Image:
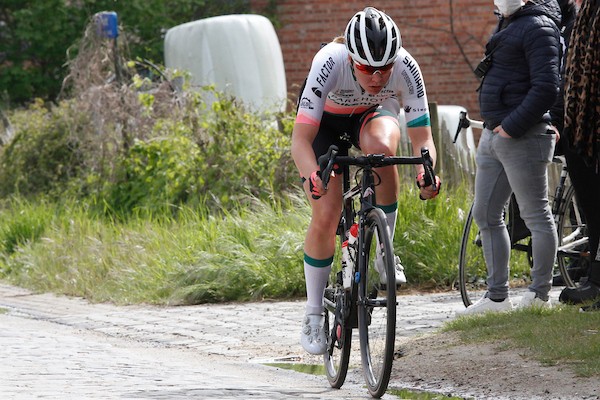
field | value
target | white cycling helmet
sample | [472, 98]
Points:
[372, 38]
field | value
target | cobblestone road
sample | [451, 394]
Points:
[67, 348]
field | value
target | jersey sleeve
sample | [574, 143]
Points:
[412, 92]
[320, 81]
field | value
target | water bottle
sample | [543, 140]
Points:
[352, 241]
[353, 235]
[347, 266]
[349, 256]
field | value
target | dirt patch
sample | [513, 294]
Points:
[440, 363]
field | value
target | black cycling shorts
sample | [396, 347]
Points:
[341, 130]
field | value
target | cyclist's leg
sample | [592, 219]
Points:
[379, 133]
[319, 244]
[491, 194]
[525, 161]
[319, 248]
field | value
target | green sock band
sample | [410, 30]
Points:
[390, 208]
[313, 262]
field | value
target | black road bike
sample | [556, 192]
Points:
[365, 304]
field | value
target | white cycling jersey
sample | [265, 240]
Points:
[331, 87]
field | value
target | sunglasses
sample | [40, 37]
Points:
[367, 69]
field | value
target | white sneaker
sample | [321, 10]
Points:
[399, 271]
[530, 299]
[313, 337]
[484, 305]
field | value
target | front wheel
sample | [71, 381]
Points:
[339, 334]
[376, 308]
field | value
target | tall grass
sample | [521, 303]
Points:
[248, 252]
[428, 235]
[196, 257]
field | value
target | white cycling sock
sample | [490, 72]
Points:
[391, 214]
[316, 281]
[391, 221]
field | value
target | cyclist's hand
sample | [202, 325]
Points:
[316, 185]
[428, 192]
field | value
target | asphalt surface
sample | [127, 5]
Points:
[62, 347]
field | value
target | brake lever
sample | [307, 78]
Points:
[429, 173]
[463, 123]
[326, 163]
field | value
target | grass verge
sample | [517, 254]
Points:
[560, 335]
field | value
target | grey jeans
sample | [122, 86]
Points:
[506, 165]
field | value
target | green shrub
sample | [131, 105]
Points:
[155, 152]
[156, 175]
[44, 154]
[245, 153]
[225, 156]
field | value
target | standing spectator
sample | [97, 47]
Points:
[520, 84]
[582, 138]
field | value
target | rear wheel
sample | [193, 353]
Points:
[377, 308]
[339, 335]
[472, 270]
[572, 240]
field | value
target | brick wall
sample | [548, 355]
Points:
[446, 37]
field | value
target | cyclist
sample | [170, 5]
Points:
[351, 97]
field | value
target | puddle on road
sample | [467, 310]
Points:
[313, 369]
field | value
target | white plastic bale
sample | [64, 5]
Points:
[239, 54]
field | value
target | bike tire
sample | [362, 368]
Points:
[339, 338]
[571, 227]
[376, 308]
[472, 269]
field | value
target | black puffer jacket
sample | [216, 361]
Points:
[523, 81]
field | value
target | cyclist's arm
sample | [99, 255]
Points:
[303, 154]
[420, 136]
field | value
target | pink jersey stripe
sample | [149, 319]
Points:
[302, 118]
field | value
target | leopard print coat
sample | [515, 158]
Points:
[582, 85]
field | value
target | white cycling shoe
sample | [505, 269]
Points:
[313, 337]
[398, 269]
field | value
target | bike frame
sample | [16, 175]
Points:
[347, 305]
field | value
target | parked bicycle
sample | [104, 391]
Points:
[361, 300]
[572, 255]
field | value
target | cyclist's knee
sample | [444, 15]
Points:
[380, 139]
[322, 227]
[322, 216]
[379, 144]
